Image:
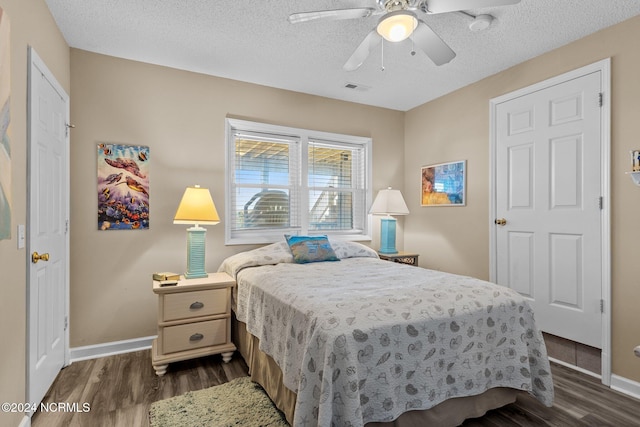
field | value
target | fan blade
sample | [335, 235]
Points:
[444, 6]
[431, 44]
[362, 52]
[331, 15]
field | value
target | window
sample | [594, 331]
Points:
[284, 180]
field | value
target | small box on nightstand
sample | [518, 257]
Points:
[401, 257]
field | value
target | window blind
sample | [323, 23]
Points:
[266, 169]
[335, 178]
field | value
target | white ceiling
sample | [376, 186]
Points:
[252, 41]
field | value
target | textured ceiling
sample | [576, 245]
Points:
[252, 41]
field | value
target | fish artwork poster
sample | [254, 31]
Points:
[123, 187]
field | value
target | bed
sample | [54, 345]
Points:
[363, 341]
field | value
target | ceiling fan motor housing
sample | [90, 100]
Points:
[392, 5]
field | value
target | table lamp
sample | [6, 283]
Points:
[388, 202]
[196, 207]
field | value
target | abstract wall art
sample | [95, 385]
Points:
[444, 184]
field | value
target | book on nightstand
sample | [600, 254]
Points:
[168, 282]
[166, 276]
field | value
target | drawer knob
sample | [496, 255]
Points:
[196, 305]
[196, 337]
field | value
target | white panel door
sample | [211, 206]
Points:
[548, 189]
[48, 213]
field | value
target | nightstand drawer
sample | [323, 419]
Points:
[186, 305]
[194, 335]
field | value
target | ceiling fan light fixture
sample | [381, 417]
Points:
[397, 26]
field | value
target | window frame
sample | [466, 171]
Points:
[304, 137]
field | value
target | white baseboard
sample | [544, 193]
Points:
[625, 385]
[110, 348]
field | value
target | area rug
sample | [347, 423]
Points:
[239, 402]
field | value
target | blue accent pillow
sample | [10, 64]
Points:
[310, 249]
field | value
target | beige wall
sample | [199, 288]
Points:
[31, 24]
[180, 116]
[456, 127]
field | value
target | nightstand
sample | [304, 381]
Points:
[194, 320]
[401, 257]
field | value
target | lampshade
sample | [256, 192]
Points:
[196, 207]
[389, 202]
[398, 25]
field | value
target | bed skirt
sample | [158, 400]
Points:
[264, 371]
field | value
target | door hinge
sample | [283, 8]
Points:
[66, 226]
[601, 306]
[66, 322]
[68, 126]
[600, 99]
[600, 203]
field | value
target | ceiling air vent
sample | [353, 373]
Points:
[357, 87]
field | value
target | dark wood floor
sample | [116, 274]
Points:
[120, 390]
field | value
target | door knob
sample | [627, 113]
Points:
[500, 221]
[35, 257]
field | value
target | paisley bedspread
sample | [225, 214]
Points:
[363, 340]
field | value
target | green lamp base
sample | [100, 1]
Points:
[388, 236]
[195, 252]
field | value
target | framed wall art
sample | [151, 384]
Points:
[444, 184]
[123, 187]
[5, 128]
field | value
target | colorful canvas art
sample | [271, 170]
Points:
[444, 184]
[5, 128]
[123, 187]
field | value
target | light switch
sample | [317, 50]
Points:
[21, 236]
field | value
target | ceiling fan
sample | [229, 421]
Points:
[399, 21]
